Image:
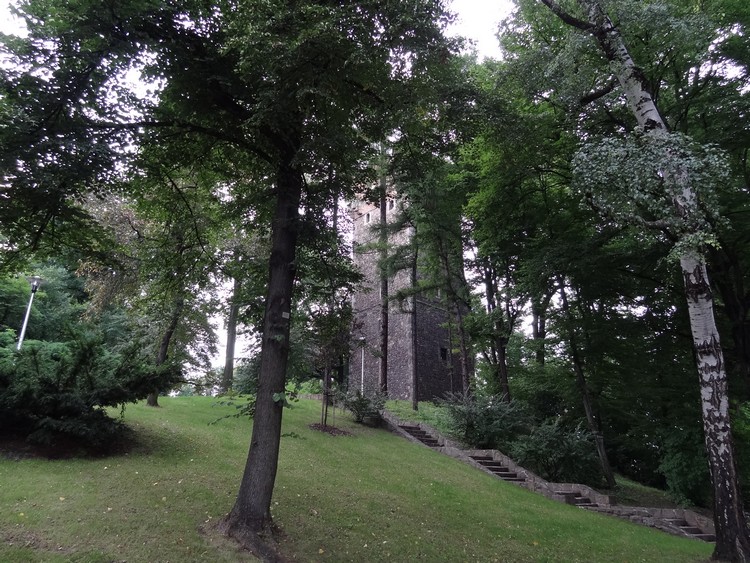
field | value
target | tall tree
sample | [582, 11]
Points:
[227, 374]
[592, 417]
[423, 165]
[678, 176]
[274, 90]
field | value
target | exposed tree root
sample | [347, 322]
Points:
[262, 543]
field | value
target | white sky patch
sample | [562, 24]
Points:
[479, 20]
[9, 24]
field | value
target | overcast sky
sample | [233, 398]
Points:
[477, 20]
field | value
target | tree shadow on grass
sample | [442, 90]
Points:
[15, 445]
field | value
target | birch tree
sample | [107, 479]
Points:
[673, 177]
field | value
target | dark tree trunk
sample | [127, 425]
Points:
[152, 400]
[539, 326]
[501, 345]
[588, 405]
[326, 396]
[227, 378]
[251, 517]
[383, 243]
[326, 401]
[455, 283]
[463, 347]
[413, 320]
[499, 341]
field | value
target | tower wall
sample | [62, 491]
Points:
[437, 371]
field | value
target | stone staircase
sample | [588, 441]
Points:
[690, 530]
[676, 521]
[420, 435]
[578, 499]
[680, 522]
[498, 468]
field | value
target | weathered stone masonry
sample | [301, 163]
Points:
[438, 370]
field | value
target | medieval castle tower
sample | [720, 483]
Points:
[419, 349]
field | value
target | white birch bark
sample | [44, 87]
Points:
[732, 539]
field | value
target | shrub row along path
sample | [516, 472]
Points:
[678, 521]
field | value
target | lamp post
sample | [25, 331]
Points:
[362, 381]
[35, 282]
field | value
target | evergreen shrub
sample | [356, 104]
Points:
[485, 421]
[685, 466]
[51, 390]
[548, 448]
[559, 454]
[362, 406]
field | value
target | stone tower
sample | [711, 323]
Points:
[418, 340]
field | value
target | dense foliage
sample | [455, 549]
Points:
[55, 389]
[486, 421]
[547, 446]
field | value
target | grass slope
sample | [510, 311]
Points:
[370, 496]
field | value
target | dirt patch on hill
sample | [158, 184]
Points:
[332, 430]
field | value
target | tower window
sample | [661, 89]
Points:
[391, 204]
[444, 354]
[367, 217]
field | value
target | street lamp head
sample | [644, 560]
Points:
[35, 282]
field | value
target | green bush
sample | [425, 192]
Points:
[311, 387]
[362, 406]
[485, 421]
[685, 466]
[50, 390]
[559, 454]
[741, 435]
[246, 375]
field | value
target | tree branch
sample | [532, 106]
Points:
[189, 127]
[600, 93]
[566, 17]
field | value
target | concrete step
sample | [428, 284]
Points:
[421, 435]
[692, 531]
[492, 463]
[499, 469]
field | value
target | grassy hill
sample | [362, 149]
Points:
[368, 496]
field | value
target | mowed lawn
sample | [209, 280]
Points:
[369, 496]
